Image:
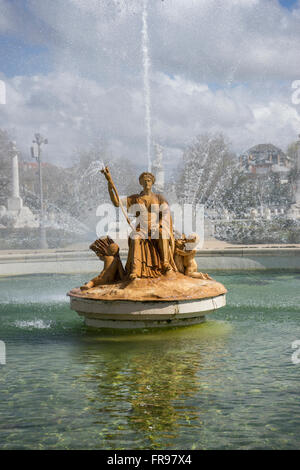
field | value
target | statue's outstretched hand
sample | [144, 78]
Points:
[107, 175]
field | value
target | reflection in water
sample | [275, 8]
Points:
[226, 384]
[148, 384]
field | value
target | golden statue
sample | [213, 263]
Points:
[151, 242]
[160, 285]
[162, 265]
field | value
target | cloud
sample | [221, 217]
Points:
[216, 66]
[222, 41]
[5, 17]
[73, 112]
[246, 115]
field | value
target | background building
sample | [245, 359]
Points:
[263, 159]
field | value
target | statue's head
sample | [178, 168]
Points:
[113, 249]
[189, 243]
[147, 180]
[192, 241]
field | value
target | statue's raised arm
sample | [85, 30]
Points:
[113, 193]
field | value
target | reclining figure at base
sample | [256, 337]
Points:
[108, 251]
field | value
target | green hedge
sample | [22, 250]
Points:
[278, 230]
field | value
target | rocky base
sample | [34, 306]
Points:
[168, 288]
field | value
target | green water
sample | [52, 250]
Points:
[226, 384]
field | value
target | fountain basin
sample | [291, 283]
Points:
[174, 300]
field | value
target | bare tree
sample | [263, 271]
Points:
[206, 170]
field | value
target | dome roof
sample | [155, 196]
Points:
[265, 149]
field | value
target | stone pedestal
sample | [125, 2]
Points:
[26, 218]
[170, 300]
[14, 204]
[127, 314]
[18, 215]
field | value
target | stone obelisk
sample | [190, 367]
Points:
[15, 202]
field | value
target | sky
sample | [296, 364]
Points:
[73, 71]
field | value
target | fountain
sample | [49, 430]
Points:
[146, 67]
[158, 169]
[160, 285]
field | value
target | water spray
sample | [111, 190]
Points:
[146, 66]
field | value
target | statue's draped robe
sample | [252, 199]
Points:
[148, 251]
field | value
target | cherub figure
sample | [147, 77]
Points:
[185, 258]
[108, 251]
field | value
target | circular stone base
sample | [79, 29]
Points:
[131, 324]
[170, 300]
[137, 314]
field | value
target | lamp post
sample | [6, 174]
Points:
[36, 153]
